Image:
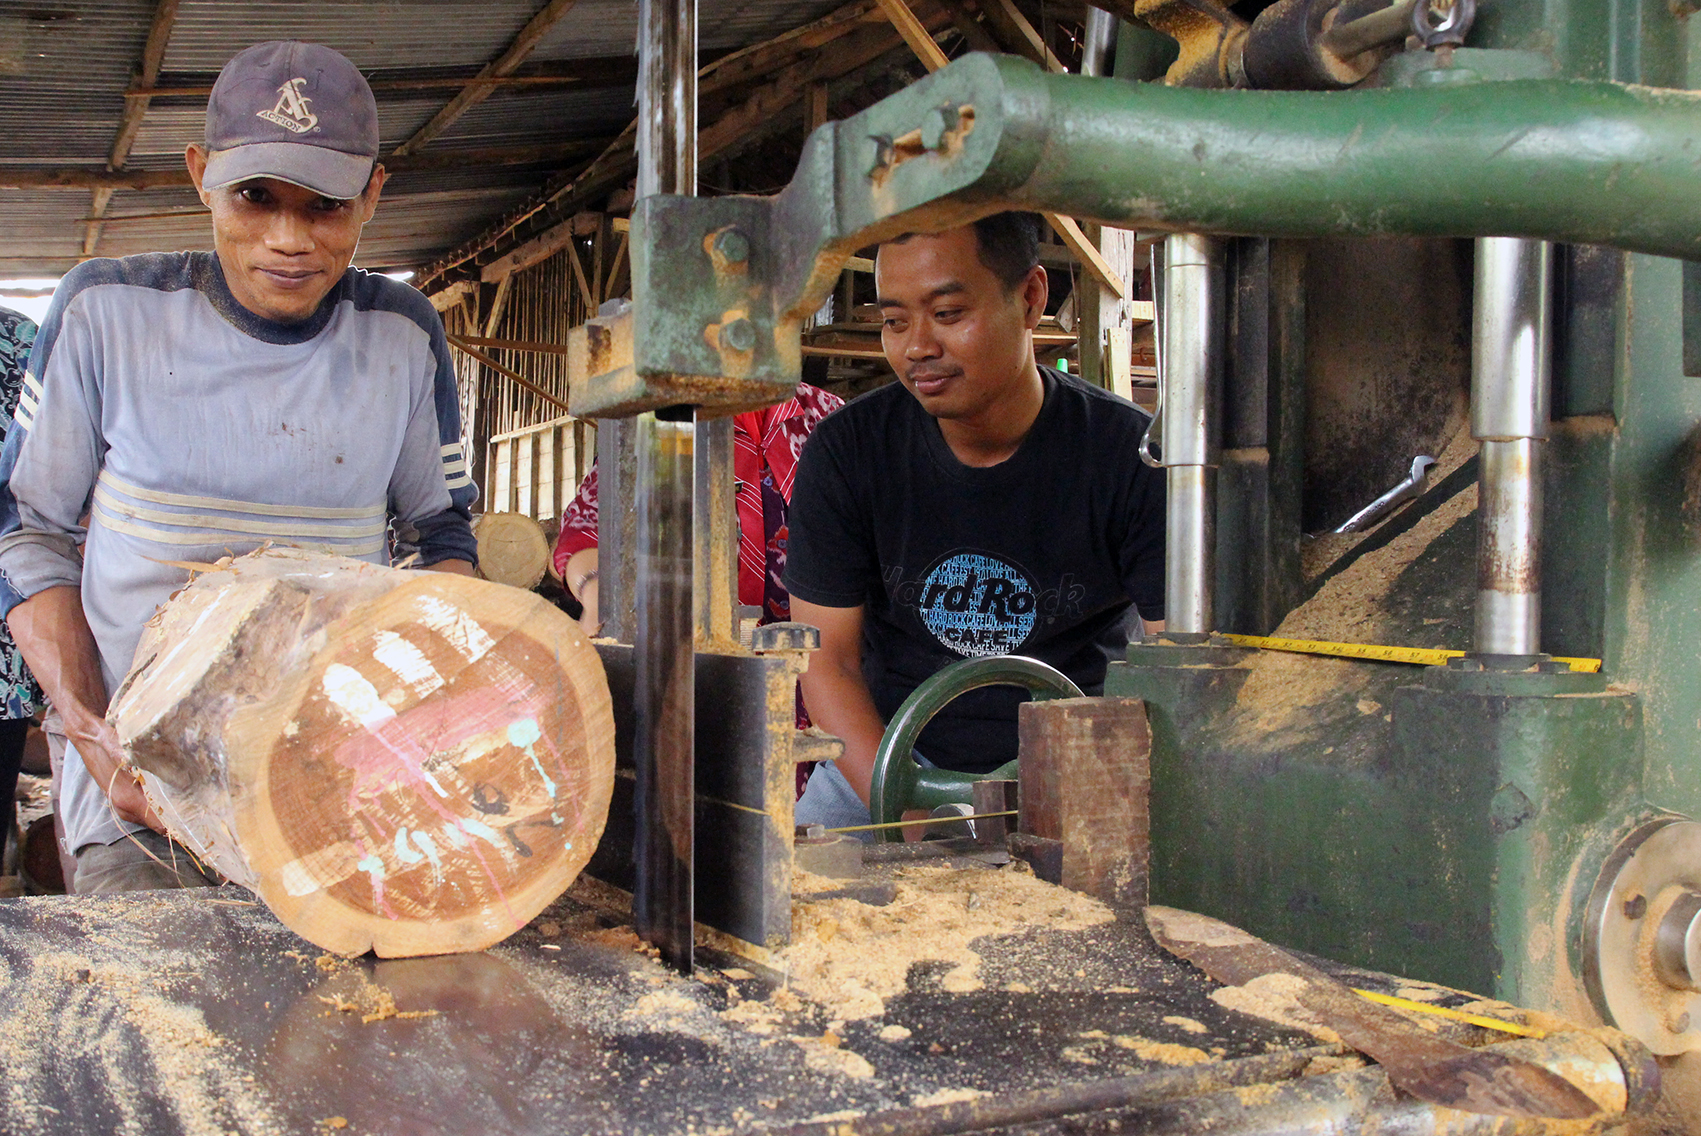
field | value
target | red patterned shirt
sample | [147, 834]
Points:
[766, 445]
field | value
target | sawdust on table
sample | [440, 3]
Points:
[1274, 998]
[948, 1096]
[373, 1003]
[1191, 1025]
[1163, 1052]
[850, 957]
[1145, 1048]
[207, 1092]
[822, 1055]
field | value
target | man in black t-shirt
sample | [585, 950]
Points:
[985, 506]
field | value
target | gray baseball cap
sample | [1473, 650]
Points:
[298, 112]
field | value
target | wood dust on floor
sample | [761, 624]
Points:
[850, 957]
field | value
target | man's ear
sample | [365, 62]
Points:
[369, 196]
[195, 157]
[1036, 289]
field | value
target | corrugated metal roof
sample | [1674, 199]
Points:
[399, 33]
[553, 116]
[63, 68]
[65, 65]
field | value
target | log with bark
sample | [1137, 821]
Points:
[406, 762]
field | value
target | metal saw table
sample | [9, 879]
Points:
[196, 1012]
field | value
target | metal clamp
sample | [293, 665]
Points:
[785, 637]
[1438, 23]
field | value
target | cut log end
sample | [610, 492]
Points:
[423, 775]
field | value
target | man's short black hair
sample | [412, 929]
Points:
[1008, 244]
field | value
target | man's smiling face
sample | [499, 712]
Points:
[282, 247]
[952, 330]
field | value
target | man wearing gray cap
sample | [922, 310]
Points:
[179, 407]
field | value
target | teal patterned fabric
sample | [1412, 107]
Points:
[20, 697]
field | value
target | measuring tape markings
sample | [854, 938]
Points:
[1421, 656]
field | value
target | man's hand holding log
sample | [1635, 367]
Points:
[53, 633]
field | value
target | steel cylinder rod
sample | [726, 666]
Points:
[1509, 419]
[1561, 160]
[664, 694]
[1192, 414]
[1098, 44]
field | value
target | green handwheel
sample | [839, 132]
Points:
[900, 783]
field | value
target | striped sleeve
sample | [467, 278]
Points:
[435, 507]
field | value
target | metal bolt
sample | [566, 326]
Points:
[785, 637]
[733, 245]
[738, 335]
[1677, 944]
[939, 122]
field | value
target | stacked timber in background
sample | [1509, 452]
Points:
[406, 762]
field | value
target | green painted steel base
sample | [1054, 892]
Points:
[1445, 825]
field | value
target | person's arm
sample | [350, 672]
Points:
[453, 567]
[835, 691]
[53, 634]
[431, 489]
[580, 575]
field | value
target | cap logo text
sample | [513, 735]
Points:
[291, 113]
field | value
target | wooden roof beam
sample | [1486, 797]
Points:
[922, 43]
[515, 54]
[153, 54]
[582, 74]
[617, 160]
[763, 105]
[84, 177]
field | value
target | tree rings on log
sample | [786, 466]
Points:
[407, 762]
[512, 549]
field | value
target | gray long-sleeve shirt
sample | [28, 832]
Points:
[184, 427]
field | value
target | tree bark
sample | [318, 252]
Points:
[405, 762]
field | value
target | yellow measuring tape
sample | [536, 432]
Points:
[1455, 1015]
[1422, 656]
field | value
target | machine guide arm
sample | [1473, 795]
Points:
[722, 286]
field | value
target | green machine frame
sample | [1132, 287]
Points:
[1461, 831]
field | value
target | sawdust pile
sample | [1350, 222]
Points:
[1291, 699]
[372, 1003]
[1347, 608]
[1321, 550]
[1274, 998]
[850, 957]
[49, 1023]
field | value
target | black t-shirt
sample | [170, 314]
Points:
[1039, 555]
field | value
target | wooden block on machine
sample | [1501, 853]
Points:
[1085, 781]
[406, 762]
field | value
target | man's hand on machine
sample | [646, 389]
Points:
[835, 691]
